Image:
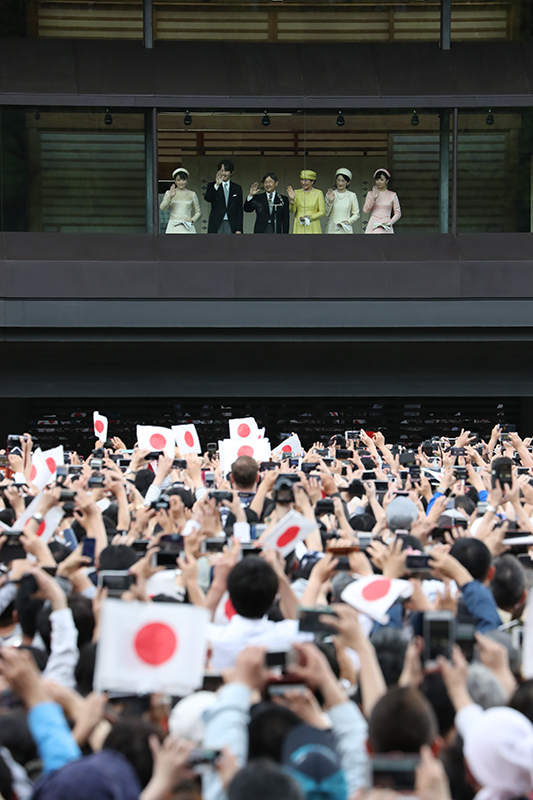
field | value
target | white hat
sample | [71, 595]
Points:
[343, 171]
[180, 169]
[186, 718]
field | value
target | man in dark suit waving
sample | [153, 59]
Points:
[272, 209]
[226, 201]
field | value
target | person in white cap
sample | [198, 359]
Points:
[382, 205]
[342, 207]
[183, 204]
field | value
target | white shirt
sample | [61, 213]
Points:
[227, 641]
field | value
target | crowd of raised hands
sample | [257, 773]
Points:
[387, 652]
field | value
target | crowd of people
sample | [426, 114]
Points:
[386, 653]
[273, 209]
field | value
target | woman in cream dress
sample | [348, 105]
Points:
[183, 204]
[342, 208]
[307, 204]
[382, 205]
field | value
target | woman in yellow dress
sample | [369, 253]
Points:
[307, 204]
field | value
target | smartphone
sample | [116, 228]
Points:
[248, 549]
[340, 453]
[279, 688]
[322, 452]
[364, 540]
[328, 461]
[211, 449]
[198, 756]
[381, 486]
[88, 548]
[369, 475]
[351, 435]
[439, 635]
[214, 545]
[458, 451]
[209, 479]
[264, 465]
[308, 620]
[307, 468]
[294, 462]
[396, 772]
[140, 546]
[280, 658]
[116, 581]
[523, 470]
[466, 639]
[418, 565]
[179, 463]
[165, 558]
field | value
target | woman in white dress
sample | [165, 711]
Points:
[342, 208]
[183, 204]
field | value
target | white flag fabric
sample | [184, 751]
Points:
[290, 445]
[151, 647]
[243, 428]
[231, 449]
[152, 437]
[290, 530]
[374, 595]
[44, 464]
[51, 520]
[100, 426]
[187, 439]
[20, 523]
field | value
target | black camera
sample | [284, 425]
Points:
[220, 495]
[179, 463]
[66, 494]
[95, 481]
[324, 506]
[283, 491]
[98, 453]
[162, 503]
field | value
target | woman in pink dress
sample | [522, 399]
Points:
[382, 205]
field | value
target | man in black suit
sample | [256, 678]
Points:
[272, 209]
[226, 201]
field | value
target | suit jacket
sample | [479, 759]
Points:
[280, 213]
[218, 206]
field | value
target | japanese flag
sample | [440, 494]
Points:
[290, 445]
[224, 611]
[150, 437]
[231, 449]
[187, 439]
[48, 526]
[20, 523]
[290, 530]
[151, 647]
[244, 428]
[100, 426]
[44, 464]
[374, 595]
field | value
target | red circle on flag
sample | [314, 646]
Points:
[51, 464]
[99, 426]
[155, 643]
[286, 448]
[189, 439]
[288, 535]
[229, 609]
[40, 529]
[245, 450]
[33, 474]
[243, 430]
[157, 441]
[377, 589]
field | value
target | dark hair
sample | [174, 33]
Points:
[342, 175]
[413, 542]
[82, 613]
[15, 735]
[130, 737]
[185, 494]
[402, 721]
[381, 174]
[362, 522]
[270, 175]
[6, 780]
[143, 480]
[117, 556]
[244, 471]
[465, 503]
[522, 699]
[227, 163]
[390, 645]
[252, 587]
[27, 607]
[474, 555]
[39, 656]
[181, 173]
[269, 724]
[84, 672]
[508, 583]
[262, 778]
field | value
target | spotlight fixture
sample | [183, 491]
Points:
[266, 120]
[489, 119]
[415, 121]
[340, 120]
[187, 119]
[108, 119]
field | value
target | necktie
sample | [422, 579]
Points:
[270, 199]
[226, 191]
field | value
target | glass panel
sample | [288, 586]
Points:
[406, 144]
[66, 171]
[278, 20]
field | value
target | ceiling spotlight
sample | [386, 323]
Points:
[340, 120]
[108, 119]
[415, 120]
[187, 119]
[266, 120]
[489, 120]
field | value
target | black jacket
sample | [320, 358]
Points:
[218, 206]
[280, 212]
